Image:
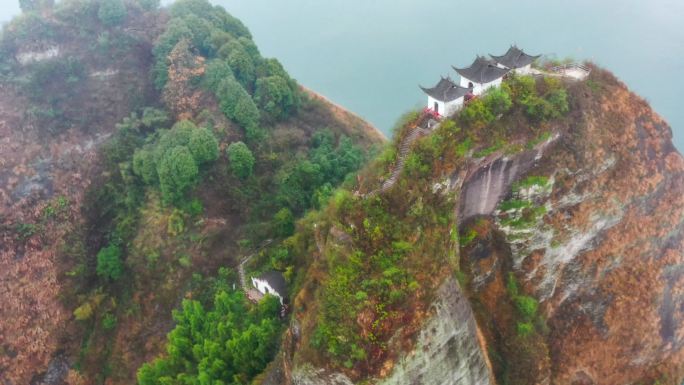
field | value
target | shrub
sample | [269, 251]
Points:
[241, 160]
[477, 114]
[177, 172]
[524, 329]
[109, 265]
[527, 306]
[109, 321]
[112, 12]
[83, 312]
[498, 101]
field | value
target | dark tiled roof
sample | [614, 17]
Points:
[445, 90]
[482, 71]
[276, 280]
[515, 58]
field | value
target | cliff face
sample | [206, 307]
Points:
[571, 256]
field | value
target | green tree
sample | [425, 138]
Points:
[242, 64]
[148, 5]
[228, 93]
[112, 12]
[144, 166]
[241, 160]
[229, 344]
[177, 173]
[178, 135]
[275, 97]
[247, 113]
[217, 71]
[176, 30]
[283, 222]
[203, 145]
[35, 5]
[109, 263]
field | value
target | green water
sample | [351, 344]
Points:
[370, 55]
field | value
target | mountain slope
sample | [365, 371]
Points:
[534, 238]
[120, 193]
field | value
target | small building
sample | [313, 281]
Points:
[482, 75]
[446, 97]
[271, 282]
[516, 60]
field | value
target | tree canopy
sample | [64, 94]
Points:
[112, 12]
[109, 263]
[241, 160]
[177, 173]
[229, 344]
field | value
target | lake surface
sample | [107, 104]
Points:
[371, 55]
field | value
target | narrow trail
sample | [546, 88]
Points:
[414, 133]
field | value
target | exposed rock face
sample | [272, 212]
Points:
[606, 261]
[490, 179]
[448, 350]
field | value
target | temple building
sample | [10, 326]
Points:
[446, 97]
[516, 60]
[481, 75]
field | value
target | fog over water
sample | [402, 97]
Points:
[370, 56]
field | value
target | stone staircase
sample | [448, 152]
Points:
[404, 149]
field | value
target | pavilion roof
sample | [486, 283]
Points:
[514, 58]
[446, 90]
[482, 71]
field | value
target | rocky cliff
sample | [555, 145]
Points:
[570, 259]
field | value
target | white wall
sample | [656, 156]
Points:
[264, 288]
[480, 88]
[445, 109]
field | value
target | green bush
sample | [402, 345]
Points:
[241, 160]
[498, 101]
[109, 263]
[112, 12]
[109, 321]
[527, 306]
[524, 329]
[477, 114]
